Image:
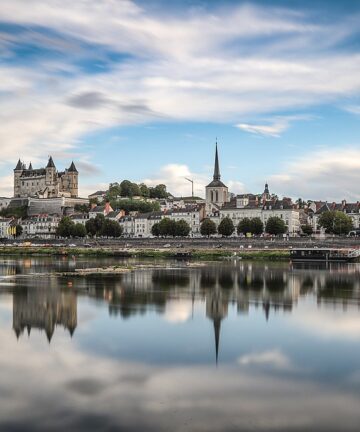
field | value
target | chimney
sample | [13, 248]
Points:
[333, 205]
[343, 203]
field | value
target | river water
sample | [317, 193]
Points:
[234, 346]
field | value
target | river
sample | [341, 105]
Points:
[223, 346]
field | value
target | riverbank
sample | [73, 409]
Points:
[198, 254]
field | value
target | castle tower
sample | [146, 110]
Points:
[51, 178]
[73, 174]
[17, 183]
[216, 192]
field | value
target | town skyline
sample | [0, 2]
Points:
[145, 96]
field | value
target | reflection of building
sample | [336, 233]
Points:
[44, 309]
[216, 310]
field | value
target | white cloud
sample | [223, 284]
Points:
[273, 358]
[180, 67]
[312, 176]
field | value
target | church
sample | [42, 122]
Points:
[45, 182]
[217, 193]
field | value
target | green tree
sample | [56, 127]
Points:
[207, 227]
[244, 226]
[155, 231]
[335, 222]
[99, 222]
[226, 227]
[307, 229]
[275, 226]
[158, 191]
[182, 228]
[65, 227]
[114, 191]
[257, 227]
[126, 188]
[167, 227]
[91, 227]
[78, 230]
[111, 228]
[144, 190]
[129, 205]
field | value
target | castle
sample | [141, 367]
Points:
[45, 182]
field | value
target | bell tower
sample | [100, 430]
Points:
[216, 192]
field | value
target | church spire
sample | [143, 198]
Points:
[216, 167]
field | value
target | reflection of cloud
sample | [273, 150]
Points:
[274, 358]
[330, 323]
[178, 311]
[66, 381]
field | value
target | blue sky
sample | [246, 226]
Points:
[141, 90]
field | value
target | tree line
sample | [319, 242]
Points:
[129, 189]
[99, 226]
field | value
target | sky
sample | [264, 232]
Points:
[142, 89]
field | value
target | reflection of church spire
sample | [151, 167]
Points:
[217, 328]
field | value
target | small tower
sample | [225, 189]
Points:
[50, 176]
[73, 174]
[216, 191]
[266, 194]
[17, 183]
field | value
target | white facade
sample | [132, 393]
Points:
[42, 226]
[4, 203]
[5, 224]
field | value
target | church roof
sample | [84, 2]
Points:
[50, 163]
[216, 183]
[72, 167]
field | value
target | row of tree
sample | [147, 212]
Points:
[98, 226]
[129, 189]
[168, 227]
[226, 228]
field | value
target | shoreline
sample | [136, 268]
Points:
[193, 253]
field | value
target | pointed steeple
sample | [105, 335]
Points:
[216, 167]
[217, 326]
[18, 166]
[30, 166]
[50, 163]
[72, 168]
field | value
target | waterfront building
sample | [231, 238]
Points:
[251, 206]
[317, 208]
[41, 226]
[45, 182]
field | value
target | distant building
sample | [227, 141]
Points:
[4, 203]
[317, 208]
[45, 182]
[41, 226]
[5, 224]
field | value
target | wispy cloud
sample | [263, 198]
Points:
[312, 175]
[274, 126]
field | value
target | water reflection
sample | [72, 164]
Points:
[143, 357]
[44, 308]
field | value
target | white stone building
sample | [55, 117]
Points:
[252, 206]
[4, 203]
[41, 226]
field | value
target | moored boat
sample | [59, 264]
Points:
[324, 255]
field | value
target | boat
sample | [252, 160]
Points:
[324, 255]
